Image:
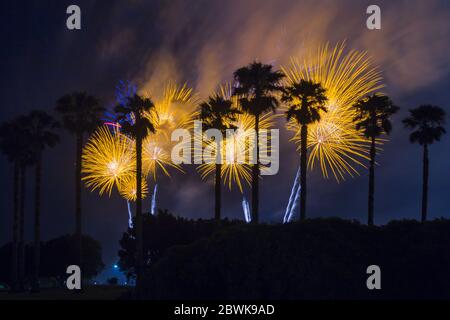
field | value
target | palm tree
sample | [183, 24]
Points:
[373, 118]
[40, 127]
[306, 100]
[139, 128]
[10, 147]
[257, 84]
[427, 121]
[14, 143]
[80, 114]
[218, 113]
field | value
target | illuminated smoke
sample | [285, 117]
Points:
[293, 199]
[246, 208]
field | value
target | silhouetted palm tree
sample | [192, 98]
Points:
[306, 100]
[80, 114]
[14, 143]
[138, 127]
[427, 121]
[40, 127]
[373, 118]
[256, 84]
[218, 113]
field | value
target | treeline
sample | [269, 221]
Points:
[56, 255]
[316, 259]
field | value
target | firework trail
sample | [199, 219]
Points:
[293, 199]
[153, 209]
[130, 215]
[246, 208]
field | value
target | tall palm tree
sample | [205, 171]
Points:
[218, 113]
[306, 100]
[80, 114]
[139, 128]
[373, 118]
[10, 147]
[14, 143]
[40, 127]
[257, 84]
[427, 121]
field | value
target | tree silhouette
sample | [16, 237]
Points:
[15, 144]
[218, 113]
[256, 85]
[139, 128]
[373, 119]
[427, 121]
[40, 127]
[306, 100]
[80, 114]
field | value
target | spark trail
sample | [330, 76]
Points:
[130, 215]
[246, 208]
[153, 209]
[293, 199]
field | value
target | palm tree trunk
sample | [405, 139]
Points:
[139, 235]
[15, 242]
[370, 221]
[303, 170]
[425, 183]
[218, 192]
[78, 229]
[22, 229]
[37, 223]
[255, 177]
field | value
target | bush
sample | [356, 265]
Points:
[161, 232]
[56, 255]
[317, 259]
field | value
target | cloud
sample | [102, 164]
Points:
[204, 41]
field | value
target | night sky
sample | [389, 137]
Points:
[202, 42]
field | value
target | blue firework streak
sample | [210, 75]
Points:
[153, 209]
[293, 199]
[124, 90]
[130, 216]
[246, 208]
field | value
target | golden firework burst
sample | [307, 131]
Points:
[236, 149]
[334, 142]
[128, 188]
[155, 155]
[173, 110]
[108, 159]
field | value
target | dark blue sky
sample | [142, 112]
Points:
[202, 42]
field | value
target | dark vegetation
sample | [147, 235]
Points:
[161, 232]
[56, 255]
[315, 259]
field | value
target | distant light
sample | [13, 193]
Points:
[115, 266]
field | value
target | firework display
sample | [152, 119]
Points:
[108, 160]
[237, 148]
[174, 110]
[334, 142]
[128, 188]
